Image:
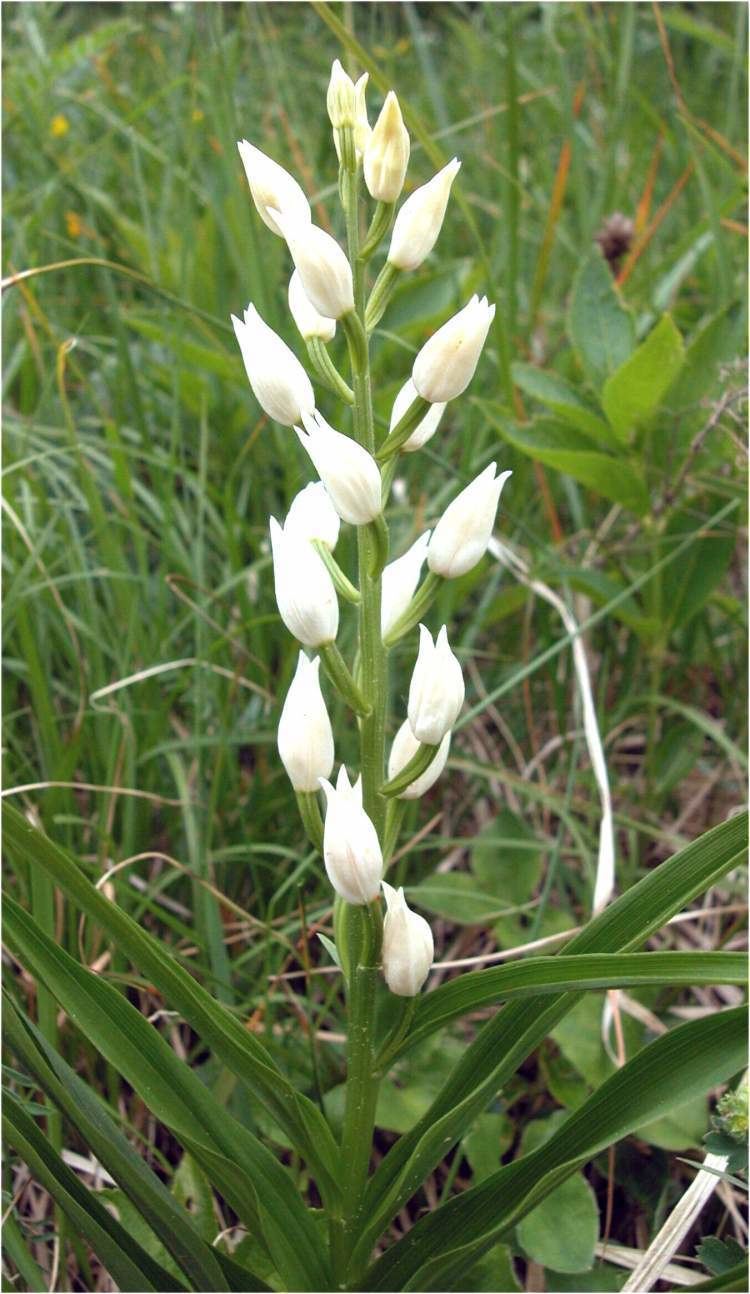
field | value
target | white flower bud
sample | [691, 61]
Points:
[405, 746]
[351, 849]
[462, 534]
[400, 580]
[305, 594]
[304, 314]
[340, 97]
[350, 475]
[323, 268]
[425, 429]
[272, 186]
[436, 691]
[280, 384]
[313, 516]
[387, 153]
[445, 365]
[362, 128]
[408, 946]
[305, 737]
[420, 220]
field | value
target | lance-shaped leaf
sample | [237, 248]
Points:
[201, 1263]
[241, 1051]
[243, 1170]
[127, 1263]
[681, 1064]
[505, 1041]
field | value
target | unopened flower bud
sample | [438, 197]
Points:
[436, 692]
[408, 946]
[280, 384]
[340, 97]
[351, 849]
[304, 314]
[462, 534]
[305, 594]
[405, 746]
[323, 268]
[305, 737]
[313, 516]
[425, 429]
[420, 220]
[387, 153]
[445, 365]
[400, 580]
[351, 475]
[362, 127]
[272, 186]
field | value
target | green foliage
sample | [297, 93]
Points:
[145, 667]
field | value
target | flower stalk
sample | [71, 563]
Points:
[364, 814]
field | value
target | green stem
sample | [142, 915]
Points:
[344, 586]
[326, 370]
[359, 929]
[363, 932]
[309, 812]
[394, 816]
[417, 765]
[404, 428]
[336, 669]
[379, 534]
[399, 1031]
[380, 296]
[420, 603]
[379, 226]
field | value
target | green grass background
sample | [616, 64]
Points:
[140, 472]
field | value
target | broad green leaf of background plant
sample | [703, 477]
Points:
[635, 390]
[600, 328]
[564, 1248]
[570, 452]
[563, 400]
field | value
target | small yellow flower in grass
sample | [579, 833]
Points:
[73, 224]
[59, 125]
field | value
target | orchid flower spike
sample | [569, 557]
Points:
[351, 848]
[279, 382]
[408, 946]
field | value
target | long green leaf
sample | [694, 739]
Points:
[680, 1065]
[240, 1050]
[198, 1261]
[255, 1184]
[505, 1041]
[127, 1263]
[589, 971]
